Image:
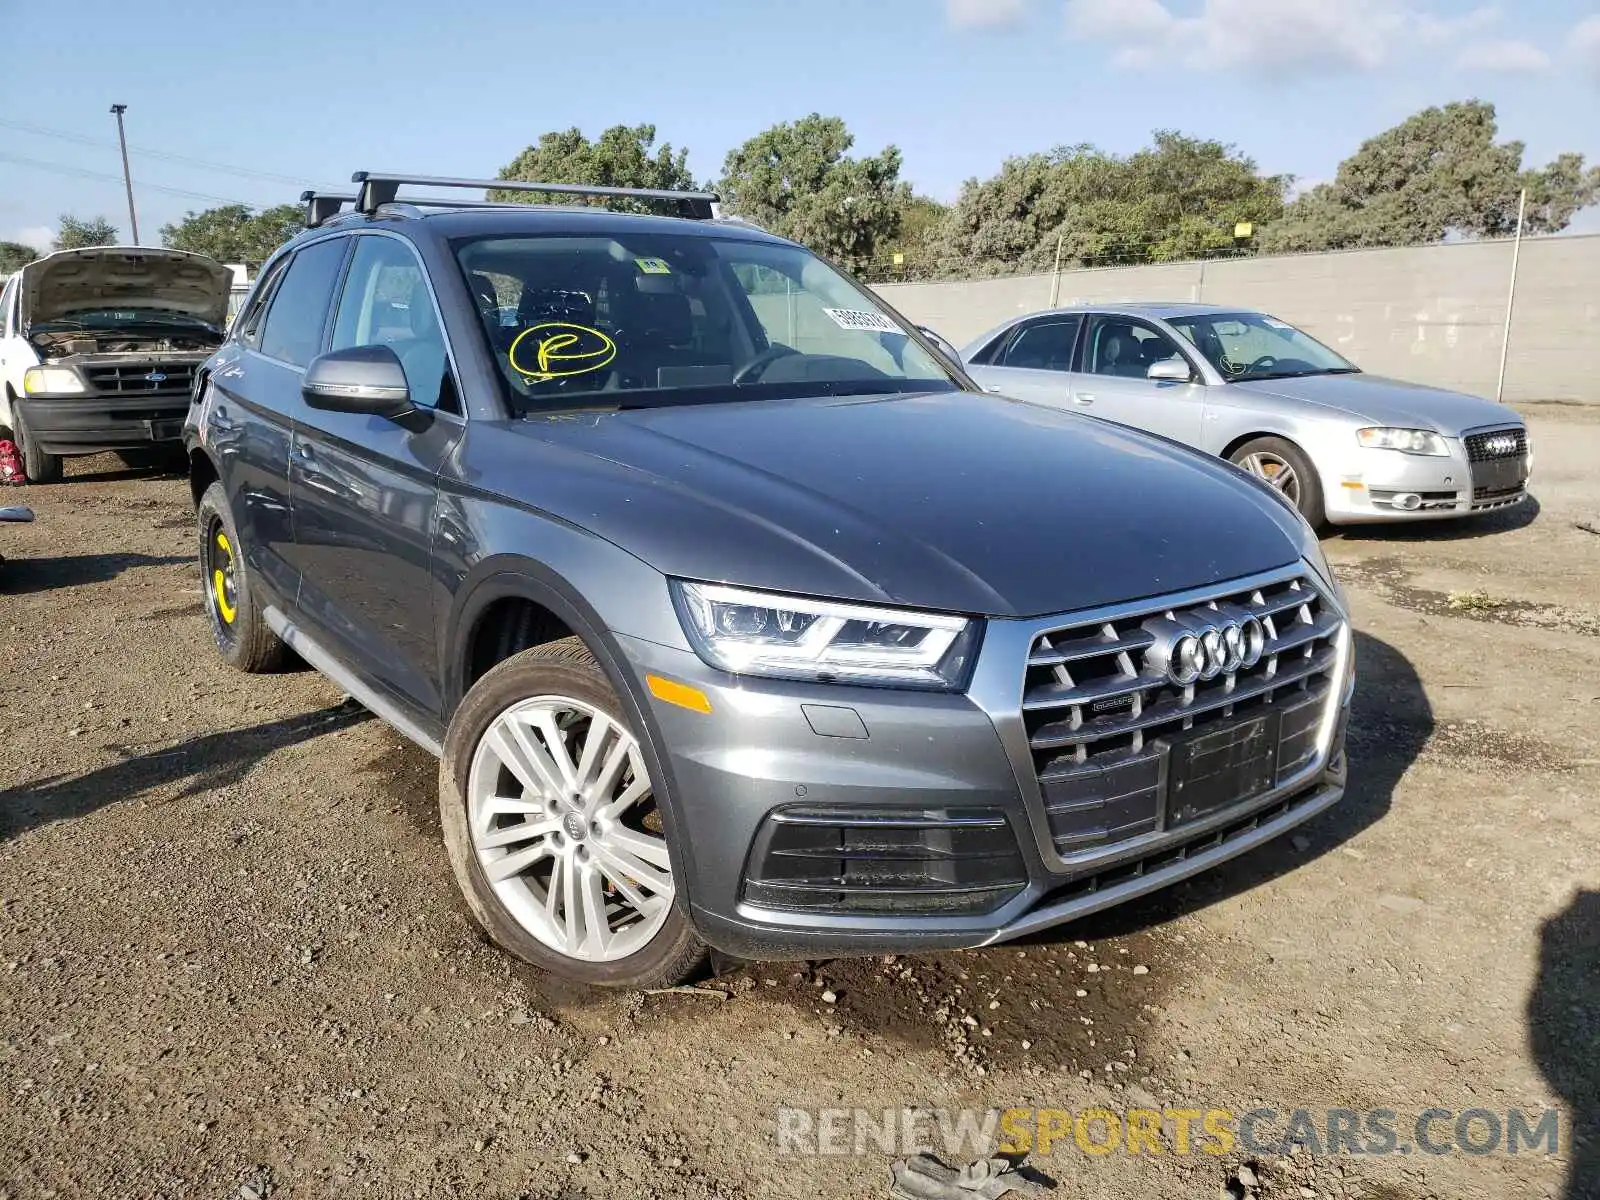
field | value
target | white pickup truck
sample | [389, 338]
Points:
[99, 347]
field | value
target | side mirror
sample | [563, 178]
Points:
[361, 379]
[16, 512]
[944, 347]
[1170, 370]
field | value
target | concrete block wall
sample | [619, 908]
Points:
[1431, 314]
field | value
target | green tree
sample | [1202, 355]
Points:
[14, 256]
[1437, 174]
[235, 233]
[1179, 198]
[798, 180]
[75, 234]
[622, 156]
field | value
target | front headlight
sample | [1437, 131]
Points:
[792, 637]
[51, 381]
[1407, 441]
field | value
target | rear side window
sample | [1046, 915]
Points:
[1043, 345]
[298, 312]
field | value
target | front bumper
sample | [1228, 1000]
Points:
[776, 748]
[90, 424]
[1385, 485]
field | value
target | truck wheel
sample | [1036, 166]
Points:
[553, 828]
[38, 466]
[1286, 467]
[241, 632]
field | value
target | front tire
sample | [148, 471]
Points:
[553, 828]
[37, 465]
[1284, 465]
[238, 624]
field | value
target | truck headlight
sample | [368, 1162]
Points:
[1407, 441]
[51, 381]
[794, 637]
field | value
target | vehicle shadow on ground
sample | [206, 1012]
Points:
[214, 760]
[25, 575]
[1391, 721]
[1460, 529]
[1564, 1032]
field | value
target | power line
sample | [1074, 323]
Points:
[86, 173]
[296, 181]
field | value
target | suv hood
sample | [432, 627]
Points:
[125, 277]
[1381, 401]
[957, 501]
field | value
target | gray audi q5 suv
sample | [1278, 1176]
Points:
[735, 613]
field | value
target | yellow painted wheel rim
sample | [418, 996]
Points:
[223, 590]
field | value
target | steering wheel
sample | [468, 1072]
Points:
[1265, 361]
[751, 371]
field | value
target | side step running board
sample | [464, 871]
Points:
[374, 702]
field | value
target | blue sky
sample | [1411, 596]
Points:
[304, 91]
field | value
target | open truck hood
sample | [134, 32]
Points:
[110, 277]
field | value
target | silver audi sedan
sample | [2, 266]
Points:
[1344, 446]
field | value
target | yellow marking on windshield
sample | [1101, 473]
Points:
[562, 349]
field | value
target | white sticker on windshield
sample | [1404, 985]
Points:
[1274, 322]
[854, 318]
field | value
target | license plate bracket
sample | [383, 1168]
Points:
[1210, 769]
[1499, 475]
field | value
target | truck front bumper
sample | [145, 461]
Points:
[89, 424]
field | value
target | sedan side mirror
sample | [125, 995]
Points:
[360, 379]
[944, 347]
[16, 512]
[1170, 370]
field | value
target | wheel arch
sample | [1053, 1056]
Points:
[510, 587]
[202, 474]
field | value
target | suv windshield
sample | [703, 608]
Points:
[643, 319]
[1253, 346]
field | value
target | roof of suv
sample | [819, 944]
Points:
[551, 220]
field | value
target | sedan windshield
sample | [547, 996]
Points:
[635, 320]
[1244, 346]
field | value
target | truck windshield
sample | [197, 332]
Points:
[1245, 346]
[647, 319]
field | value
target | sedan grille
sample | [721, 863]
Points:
[145, 379]
[1492, 444]
[1105, 719]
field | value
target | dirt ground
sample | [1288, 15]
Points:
[233, 963]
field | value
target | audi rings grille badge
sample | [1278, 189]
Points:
[1205, 643]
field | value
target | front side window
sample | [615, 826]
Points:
[1244, 346]
[386, 303]
[1124, 348]
[651, 318]
[8, 301]
[298, 310]
[1044, 345]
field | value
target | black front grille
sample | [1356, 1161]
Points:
[1493, 444]
[947, 862]
[136, 380]
[1102, 721]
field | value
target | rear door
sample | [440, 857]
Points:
[1112, 378]
[1033, 361]
[364, 488]
[253, 398]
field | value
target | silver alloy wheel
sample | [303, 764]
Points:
[1276, 471]
[560, 809]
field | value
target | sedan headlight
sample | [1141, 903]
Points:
[1408, 441]
[792, 637]
[51, 381]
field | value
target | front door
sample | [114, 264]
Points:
[1112, 379]
[364, 489]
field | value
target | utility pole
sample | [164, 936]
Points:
[1511, 298]
[127, 178]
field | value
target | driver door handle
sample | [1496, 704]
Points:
[1083, 397]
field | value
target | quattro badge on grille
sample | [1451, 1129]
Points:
[1202, 644]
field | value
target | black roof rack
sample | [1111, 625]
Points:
[379, 189]
[322, 206]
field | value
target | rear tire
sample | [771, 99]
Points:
[1284, 465]
[243, 637]
[37, 465]
[583, 887]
